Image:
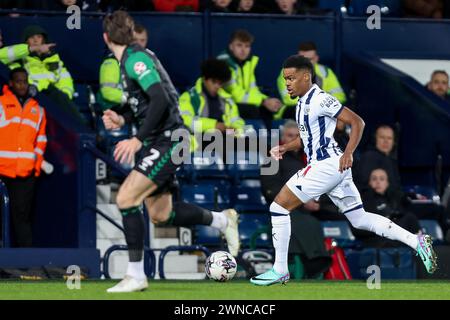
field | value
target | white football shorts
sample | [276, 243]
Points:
[323, 177]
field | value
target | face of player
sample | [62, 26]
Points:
[379, 181]
[212, 86]
[19, 84]
[240, 50]
[289, 134]
[298, 82]
[245, 5]
[141, 39]
[36, 40]
[439, 84]
[384, 140]
[311, 55]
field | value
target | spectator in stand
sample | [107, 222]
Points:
[39, 58]
[433, 9]
[439, 84]
[252, 103]
[388, 202]
[292, 7]
[220, 6]
[206, 106]
[177, 5]
[382, 156]
[245, 6]
[22, 146]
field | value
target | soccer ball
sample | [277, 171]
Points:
[220, 266]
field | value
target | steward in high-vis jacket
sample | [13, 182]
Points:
[22, 146]
[43, 64]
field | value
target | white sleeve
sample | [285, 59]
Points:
[330, 106]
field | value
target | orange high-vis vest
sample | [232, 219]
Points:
[22, 136]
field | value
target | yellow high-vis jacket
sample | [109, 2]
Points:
[242, 86]
[42, 71]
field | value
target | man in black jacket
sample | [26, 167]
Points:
[379, 157]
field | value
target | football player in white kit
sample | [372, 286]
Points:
[328, 172]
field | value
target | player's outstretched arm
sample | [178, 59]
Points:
[278, 151]
[357, 124]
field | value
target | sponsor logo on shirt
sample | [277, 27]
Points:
[139, 67]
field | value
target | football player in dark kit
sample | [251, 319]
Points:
[155, 112]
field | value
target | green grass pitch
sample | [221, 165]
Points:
[233, 290]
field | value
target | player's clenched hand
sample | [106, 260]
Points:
[112, 120]
[126, 149]
[345, 162]
[277, 152]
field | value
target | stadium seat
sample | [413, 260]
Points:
[247, 198]
[432, 228]
[340, 231]
[202, 194]
[205, 167]
[255, 123]
[334, 5]
[254, 226]
[207, 236]
[246, 165]
[427, 191]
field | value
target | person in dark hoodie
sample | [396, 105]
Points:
[379, 157]
[388, 202]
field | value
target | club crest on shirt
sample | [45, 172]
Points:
[139, 67]
[307, 110]
[33, 111]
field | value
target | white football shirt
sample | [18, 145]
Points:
[316, 114]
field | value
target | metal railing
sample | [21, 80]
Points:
[5, 215]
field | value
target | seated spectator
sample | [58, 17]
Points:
[388, 202]
[206, 106]
[22, 146]
[178, 5]
[433, 9]
[246, 6]
[220, 6]
[439, 84]
[42, 62]
[324, 78]
[252, 103]
[379, 157]
[292, 7]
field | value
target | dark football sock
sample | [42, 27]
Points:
[134, 226]
[186, 214]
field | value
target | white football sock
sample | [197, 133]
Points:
[219, 221]
[281, 234]
[136, 270]
[382, 226]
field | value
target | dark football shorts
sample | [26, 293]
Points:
[155, 162]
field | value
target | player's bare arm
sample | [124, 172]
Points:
[278, 151]
[357, 124]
